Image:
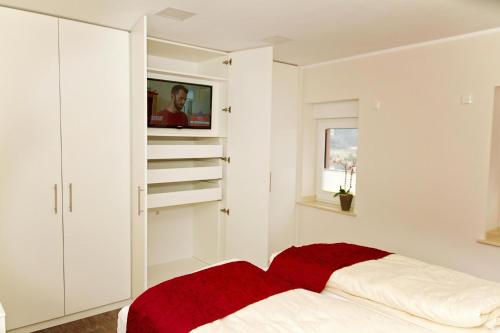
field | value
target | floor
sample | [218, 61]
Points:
[103, 323]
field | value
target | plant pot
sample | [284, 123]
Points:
[346, 201]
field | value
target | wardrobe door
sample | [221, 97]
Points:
[95, 122]
[249, 146]
[31, 246]
[138, 61]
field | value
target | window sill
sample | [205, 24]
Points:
[311, 202]
[492, 238]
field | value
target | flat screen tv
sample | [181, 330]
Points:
[174, 104]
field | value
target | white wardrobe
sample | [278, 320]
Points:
[65, 200]
[202, 196]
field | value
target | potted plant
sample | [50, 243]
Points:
[344, 194]
[345, 198]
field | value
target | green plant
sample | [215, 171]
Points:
[341, 191]
[349, 168]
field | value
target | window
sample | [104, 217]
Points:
[337, 157]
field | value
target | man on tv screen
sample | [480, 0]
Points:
[172, 115]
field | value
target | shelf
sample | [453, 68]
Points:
[170, 270]
[159, 152]
[173, 175]
[185, 132]
[492, 238]
[311, 202]
[185, 74]
[175, 194]
[163, 48]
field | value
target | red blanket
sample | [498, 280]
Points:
[311, 266]
[186, 302]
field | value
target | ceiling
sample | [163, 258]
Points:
[319, 30]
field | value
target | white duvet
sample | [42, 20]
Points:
[419, 321]
[432, 292]
[298, 311]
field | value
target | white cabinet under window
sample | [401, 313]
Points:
[65, 171]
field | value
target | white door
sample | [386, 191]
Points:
[31, 245]
[95, 122]
[284, 124]
[138, 62]
[249, 138]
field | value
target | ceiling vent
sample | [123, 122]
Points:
[275, 40]
[175, 14]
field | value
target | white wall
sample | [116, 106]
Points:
[424, 158]
[493, 218]
[284, 128]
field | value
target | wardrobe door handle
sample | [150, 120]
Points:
[55, 198]
[139, 209]
[70, 197]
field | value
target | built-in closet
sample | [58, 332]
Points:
[202, 196]
[65, 199]
[94, 205]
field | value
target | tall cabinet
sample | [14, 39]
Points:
[31, 230]
[65, 170]
[201, 196]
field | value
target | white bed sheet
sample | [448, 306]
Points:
[388, 312]
[298, 311]
[122, 319]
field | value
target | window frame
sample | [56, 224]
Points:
[322, 126]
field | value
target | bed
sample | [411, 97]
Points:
[299, 311]
[430, 296]
[357, 298]
[303, 311]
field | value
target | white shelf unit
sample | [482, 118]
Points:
[183, 74]
[184, 60]
[187, 132]
[174, 194]
[180, 51]
[184, 193]
[173, 61]
[183, 222]
[182, 171]
[181, 151]
[185, 172]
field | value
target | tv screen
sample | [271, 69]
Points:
[179, 105]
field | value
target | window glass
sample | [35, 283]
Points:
[341, 147]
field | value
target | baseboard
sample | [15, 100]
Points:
[70, 318]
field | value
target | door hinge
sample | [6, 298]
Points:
[226, 159]
[228, 62]
[225, 211]
[228, 109]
